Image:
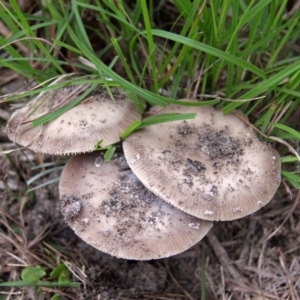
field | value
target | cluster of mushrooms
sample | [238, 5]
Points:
[159, 194]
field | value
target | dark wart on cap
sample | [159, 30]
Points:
[107, 206]
[78, 130]
[213, 167]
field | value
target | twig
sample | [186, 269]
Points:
[260, 260]
[223, 257]
[187, 294]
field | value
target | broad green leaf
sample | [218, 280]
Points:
[33, 274]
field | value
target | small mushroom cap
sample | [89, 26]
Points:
[111, 210]
[79, 129]
[213, 167]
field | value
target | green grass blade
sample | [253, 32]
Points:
[168, 117]
[151, 44]
[210, 50]
[22, 283]
[51, 116]
[130, 129]
[292, 178]
[294, 134]
[109, 153]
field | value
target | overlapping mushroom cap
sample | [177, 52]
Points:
[108, 207]
[78, 130]
[213, 167]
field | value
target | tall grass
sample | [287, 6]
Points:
[231, 54]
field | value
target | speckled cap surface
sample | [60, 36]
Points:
[213, 167]
[99, 117]
[107, 206]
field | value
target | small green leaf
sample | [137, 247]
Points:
[58, 270]
[109, 153]
[64, 277]
[33, 274]
[98, 145]
[56, 297]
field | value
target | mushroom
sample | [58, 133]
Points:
[213, 167]
[107, 206]
[97, 118]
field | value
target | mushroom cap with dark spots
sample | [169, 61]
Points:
[213, 167]
[108, 207]
[96, 118]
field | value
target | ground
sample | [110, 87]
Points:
[257, 257]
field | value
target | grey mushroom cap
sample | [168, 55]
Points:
[112, 211]
[78, 130]
[213, 167]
